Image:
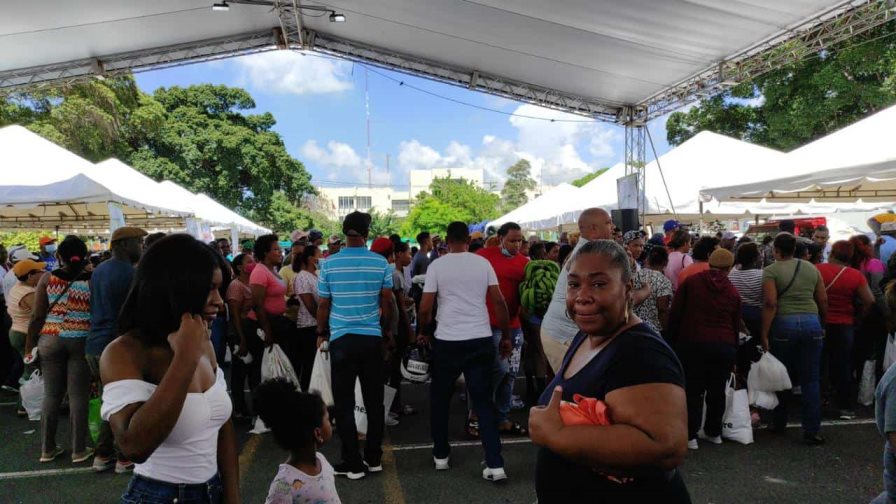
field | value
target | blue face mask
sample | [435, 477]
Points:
[506, 252]
[51, 248]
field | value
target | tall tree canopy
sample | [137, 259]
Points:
[519, 180]
[450, 200]
[799, 103]
[200, 137]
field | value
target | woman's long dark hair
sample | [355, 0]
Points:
[306, 254]
[173, 277]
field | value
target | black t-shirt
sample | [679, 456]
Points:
[635, 357]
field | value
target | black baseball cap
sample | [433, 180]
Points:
[314, 235]
[356, 224]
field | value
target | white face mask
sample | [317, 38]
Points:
[51, 248]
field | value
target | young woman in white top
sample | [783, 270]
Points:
[304, 285]
[164, 393]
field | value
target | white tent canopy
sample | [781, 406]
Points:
[538, 206]
[855, 165]
[590, 56]
[211, 212]
[706, 159]
[46, 185]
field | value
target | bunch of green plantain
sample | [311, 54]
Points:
[537, 286]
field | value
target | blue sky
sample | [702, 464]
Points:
[319, 104]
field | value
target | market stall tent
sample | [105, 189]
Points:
[854, 165]
[533, 210]
[212, 213]
[45, 186]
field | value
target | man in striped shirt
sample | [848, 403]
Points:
[354, 286]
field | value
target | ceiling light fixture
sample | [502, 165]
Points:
[221, 7]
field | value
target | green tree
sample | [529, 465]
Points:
[199, 137]
[581, 181]
[801, 102]
[384, 223]
[450, 200]
[519, 181]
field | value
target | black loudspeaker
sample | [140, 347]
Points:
[626, 219]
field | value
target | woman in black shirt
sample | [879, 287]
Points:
[620, 360]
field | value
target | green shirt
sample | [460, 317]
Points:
[800, 297]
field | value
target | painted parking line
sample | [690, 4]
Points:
[44, 472]
[392, 491]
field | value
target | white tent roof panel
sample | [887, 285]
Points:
[612, 51]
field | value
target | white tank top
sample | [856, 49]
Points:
[190, 452]
[20, 317]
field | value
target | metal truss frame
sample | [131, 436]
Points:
[834, 26]
[846, 20]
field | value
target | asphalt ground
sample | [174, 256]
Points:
[775, 468]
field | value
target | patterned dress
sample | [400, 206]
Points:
[70, 316]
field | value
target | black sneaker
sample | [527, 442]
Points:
[813, 439]
[349, 471]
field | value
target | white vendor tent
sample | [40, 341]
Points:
[704, 160]
[209, 211]
[44, 185]
[538, 206]
[854, 165]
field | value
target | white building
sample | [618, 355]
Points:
[342, 201]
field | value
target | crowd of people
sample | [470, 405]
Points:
[649, 328]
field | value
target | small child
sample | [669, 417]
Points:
[300, 424]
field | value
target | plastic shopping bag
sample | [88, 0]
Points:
[890, 351]
[320, 376]
[94, 420]
[763, 399]
[361, 412]
[867, 385]
[736, 425]
[32, 392]
[584, 411]
[275, 364]
[768, 375]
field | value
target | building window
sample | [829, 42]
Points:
[401, 205]
[363, 203]
[346, 203]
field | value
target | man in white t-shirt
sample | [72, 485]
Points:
[557, 330]
[461, 282]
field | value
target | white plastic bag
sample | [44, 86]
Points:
[320, 376]
[32, 392]
[361, 412]
[867, 385]
[275, 364]
[736, 424]
[768, 375]
[763, 399]
[890, 351]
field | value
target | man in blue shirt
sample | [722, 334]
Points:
[109, 286]
[354, 286]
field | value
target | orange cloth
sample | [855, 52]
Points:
[584, 411]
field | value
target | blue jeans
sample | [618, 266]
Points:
[149, 491]
[504, 372]
[838, 345]
[888, 496]
[796, 340]
[474, 358]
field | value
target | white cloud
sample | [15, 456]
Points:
[413, 155]
[289, 72]
[339, 162]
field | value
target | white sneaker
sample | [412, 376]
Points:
[373, 469]
[494, 473]
[441, 464]
[692, 444]
[391, 421]
[713, 440]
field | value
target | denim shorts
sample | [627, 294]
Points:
[142, 490]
